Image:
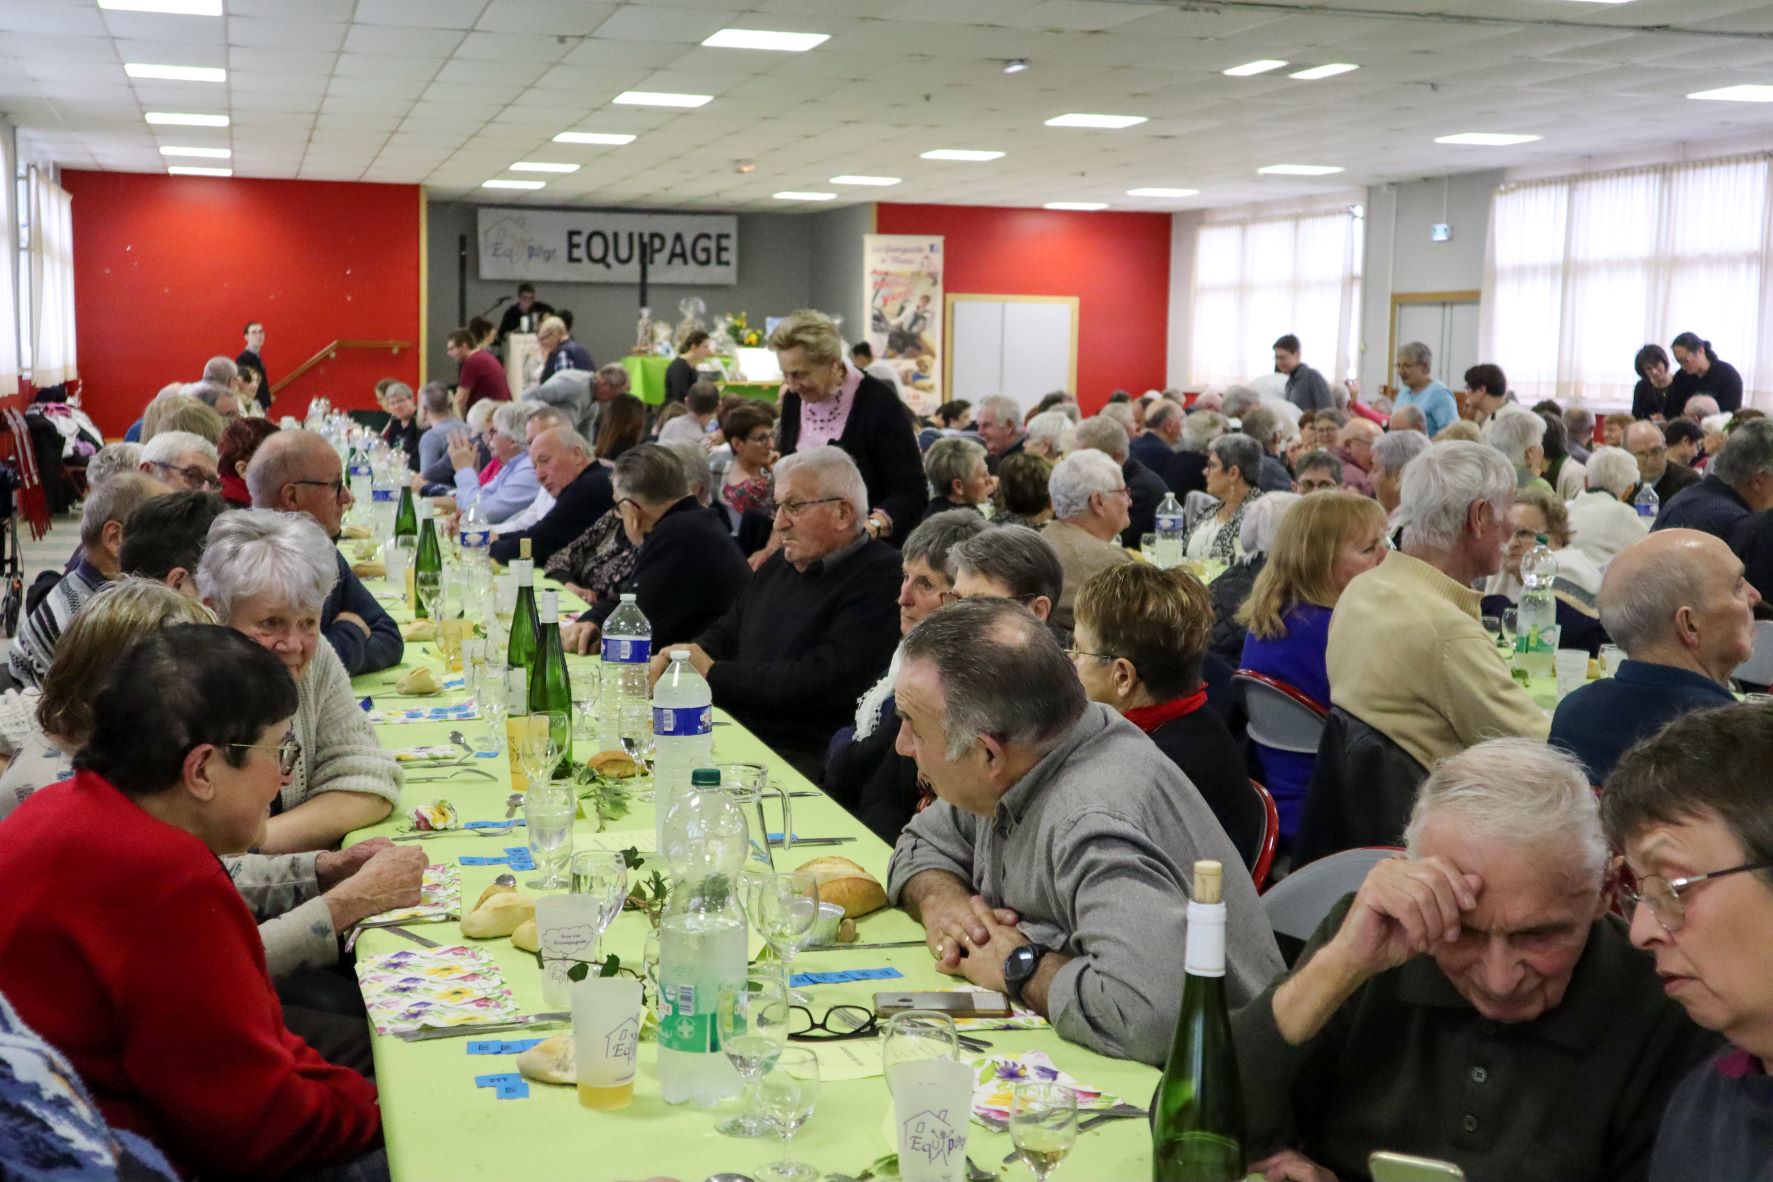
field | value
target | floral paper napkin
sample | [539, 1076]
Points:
[439, 894]
[451, 986]
[998, 1076]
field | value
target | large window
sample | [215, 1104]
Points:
[1257, 279]
[1581, 271]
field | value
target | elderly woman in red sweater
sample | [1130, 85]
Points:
[123, 942]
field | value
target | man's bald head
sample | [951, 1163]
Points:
[298, 471]
[1679, 591]
[1645, 442]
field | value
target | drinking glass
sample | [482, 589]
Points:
[397, 557]
[752, 1019]
[548, 815]
[603, 876]
[490, 699]
[584, 687]
[789, 1092]
[1510, 617]
[1043, 1125]
[1493, 625]
[1148, 547]
[540, 750]
[783, 908]
[918, 1034]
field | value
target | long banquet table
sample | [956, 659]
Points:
[440, 1127]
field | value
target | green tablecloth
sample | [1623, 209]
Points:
[646, 377]
[441, 1128]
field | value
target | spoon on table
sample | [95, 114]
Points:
[456, 738]
[506, 879]
[513, 802]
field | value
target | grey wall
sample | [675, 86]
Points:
[1400, 258]
[786, 261]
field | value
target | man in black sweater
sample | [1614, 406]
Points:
[581, 490]
[298, 472]
[814, 626]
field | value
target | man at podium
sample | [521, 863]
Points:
[526, 314]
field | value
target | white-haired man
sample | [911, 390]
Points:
[183, 461]
[998, 421]
[1145, 488]
[1473, 1001]
[1519, 435]
[1602, 517]
[815, 625]
[559, 350]
[1155, 447]
[514, 486]
[1091, 504]
[580, 489]
[1408, 654]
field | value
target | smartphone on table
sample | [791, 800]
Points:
[958, 1004]
[1402, 1167]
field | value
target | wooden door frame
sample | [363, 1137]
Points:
[949, 299]
[1400, 299]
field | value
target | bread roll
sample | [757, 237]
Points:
[420, 630]
[614, 765]
[497, 888]
[419, 680]
[843, 882]
[370, 570]
[550, 1061]
[498, 916]
[527, 938]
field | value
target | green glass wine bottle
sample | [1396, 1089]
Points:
[427, 570]
[406, 517]
[1197, 1128]
[550, 692]
[520, 652]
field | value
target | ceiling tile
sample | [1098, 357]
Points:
[568, 17]
[634, 22]
[431, 14]
[264, 33]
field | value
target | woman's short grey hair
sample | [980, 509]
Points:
[834, 474]
[1519, 792]
[264, 552]
[1748, 452]
[398, 390]
[1613, 469]
[111, 459]
[937, 535]
[171, 447]
[1077, 478]
[1053, 428]
[1013, 555]
[509, 418]
[1393, 451]
[1261, 424]
[221, 370]
[1201, 428]
[1716, 424]
[1416, 353]
[951, 459]
[1513, 432]
[651, 474]
[696, 468]
[1239, 451]
[1440, 486]
[1105, 433]
[480, 412]
[1002, 673]
[812, 331]
[1262, 521]
[1119, 412]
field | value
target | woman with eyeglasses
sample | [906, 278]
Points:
[127, 948]
[267, 574]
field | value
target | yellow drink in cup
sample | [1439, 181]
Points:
[449, 639]
[606, 1099]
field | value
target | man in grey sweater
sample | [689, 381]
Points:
[1055, 864]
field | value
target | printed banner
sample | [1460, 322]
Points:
[592, 247]
[904, 292]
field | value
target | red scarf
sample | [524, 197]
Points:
[234, 491]
[1149, 718]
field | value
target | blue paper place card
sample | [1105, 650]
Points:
[843, 976]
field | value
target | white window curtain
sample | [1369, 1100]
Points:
[1582, 271]
[10, 329]
[1257, 279]
[52, 283]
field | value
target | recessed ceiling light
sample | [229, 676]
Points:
[960, 154]
[760, 39]
[1486, 139]
[791, 195]
[1110, 121]
[203, 153]
[175, 119]
[193, 170]
[1261, 66]
[593, 137]
[502, 183]
[1161, 192]
[864, 180]
[1298, 170]
[171, 7]
[176, 73]
[542, 166]
[1327, 71]
[1746, 93]
[659, 98]
[1084, 206]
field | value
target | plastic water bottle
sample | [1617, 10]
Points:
[362, 478]
[1536, 636]
[384, 499]
[623, 698]
[1647, 503]
[474, 536]
[1169, 532]
[701, 942]
[683, 734]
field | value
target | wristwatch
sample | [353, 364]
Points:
[1018, 969]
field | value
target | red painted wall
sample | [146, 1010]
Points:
[168, 269]
[1117, 264]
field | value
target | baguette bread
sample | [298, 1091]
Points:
[527, 938]
[550, 1061]
[498, 916]
[418, 680]
[843, 882]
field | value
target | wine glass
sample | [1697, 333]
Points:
[789, 1092]
[1493, 625]
[602, 876]
[917, 1034]
[584, 691]
[548, 813]
[783, 908]
[1043, 1125]
[1510, 618]
[752, 1019]
[539, 750]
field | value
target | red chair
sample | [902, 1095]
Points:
[1280, 715]
[1270, 838]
